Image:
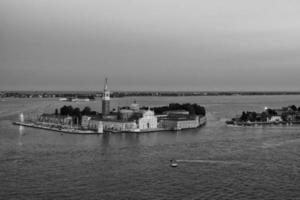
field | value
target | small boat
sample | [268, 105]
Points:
[173, 163]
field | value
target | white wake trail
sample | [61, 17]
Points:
[212, 162]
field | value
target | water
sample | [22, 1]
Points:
[216, 161]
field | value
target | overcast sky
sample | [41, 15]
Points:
[150, 44]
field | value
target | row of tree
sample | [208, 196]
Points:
[75, 112]
[294, 108]
[193, 109]
[253, 117]
[268, 113]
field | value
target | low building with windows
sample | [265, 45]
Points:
[92, 123]
[182, 123]
[275, 119]
[119, 126]
[58, 120]
[125, 114]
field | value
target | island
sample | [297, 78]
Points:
[126, 119]
[123, 119]
[283, 116]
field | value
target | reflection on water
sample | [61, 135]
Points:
[21, 130]
[21, 133]
[271, 144]
[21, 117]
[211, 162]
[215, 162]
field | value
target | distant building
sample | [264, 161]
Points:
[126, 114]
[105, 100]
[275, 119]
[290, 117]
[85, 120]
[279, 111]
[134, 106]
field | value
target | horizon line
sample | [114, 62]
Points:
[189, 91]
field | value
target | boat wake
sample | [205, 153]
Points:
[279, 144]
[212, 162]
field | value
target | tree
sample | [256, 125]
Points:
[64, 110]
[264, 116]
[86, 111]
[244, 117]
[93, 113]
[191, 108]
[293, 107]
[70, 110]
[199, 110]
[76, 112]
[271, 112]
[252, 116]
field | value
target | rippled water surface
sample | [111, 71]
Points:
[216, 161]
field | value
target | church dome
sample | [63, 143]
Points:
[134, 106]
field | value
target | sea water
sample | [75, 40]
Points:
[215, 162]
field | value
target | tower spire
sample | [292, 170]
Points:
[106, 100]
[105, 87]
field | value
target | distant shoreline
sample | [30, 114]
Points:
[120, 94]
[243, 124]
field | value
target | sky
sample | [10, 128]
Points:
[193, 45]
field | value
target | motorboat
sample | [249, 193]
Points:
[173, 163]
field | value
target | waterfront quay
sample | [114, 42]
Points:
[96, 125]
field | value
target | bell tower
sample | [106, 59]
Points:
[105, 100]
